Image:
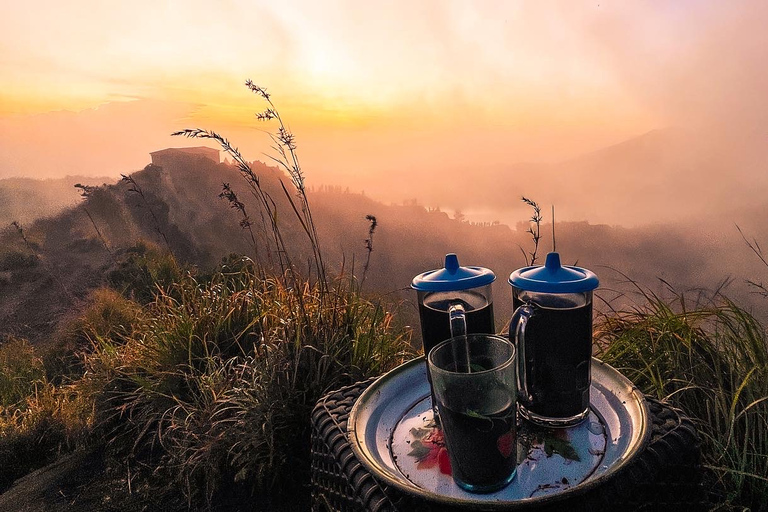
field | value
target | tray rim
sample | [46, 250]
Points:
[356, 439]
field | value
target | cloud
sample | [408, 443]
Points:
[108, 140]
[691, 62]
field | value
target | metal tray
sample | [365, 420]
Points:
[391, 432]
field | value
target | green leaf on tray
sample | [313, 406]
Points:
[420, 433]
[418, 450]
[474, 414]
[561, 447]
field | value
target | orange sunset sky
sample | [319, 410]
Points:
[91, 87]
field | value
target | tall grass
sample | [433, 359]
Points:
[37, 418]
[286, 157]
[20, 368]
[712, 360]
[143, 270]
[534, 229]
[219, 386]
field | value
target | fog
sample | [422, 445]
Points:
[181, 210]
[107, 140]
[25, 200]
[625, 113]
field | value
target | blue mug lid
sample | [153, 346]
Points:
[552, 277]
[452, 277]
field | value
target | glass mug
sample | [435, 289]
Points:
[474, 381]
[551, 328]
[453, 301]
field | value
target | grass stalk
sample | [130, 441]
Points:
[711, 359]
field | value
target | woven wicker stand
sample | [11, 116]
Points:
[664, 476]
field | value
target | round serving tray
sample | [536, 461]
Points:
[392, 433]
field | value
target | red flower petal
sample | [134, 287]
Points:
[429, 461]
[444, 461]
[506, 444]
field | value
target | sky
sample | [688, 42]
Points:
[435, 91]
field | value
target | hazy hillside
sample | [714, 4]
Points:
[65, 256]
[667, 175]
[25, 199]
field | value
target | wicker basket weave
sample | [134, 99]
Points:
[665, 476]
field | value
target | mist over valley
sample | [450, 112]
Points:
[61, 258]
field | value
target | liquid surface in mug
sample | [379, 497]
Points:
[558, 351]
[435, 321]
[482, 447]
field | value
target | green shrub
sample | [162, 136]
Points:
[108, 315]
[712, 361]
[224, 374]
[26, 445]
[20, 370]
[15, 260]
[45, 405]
[37, 419]
[143, 269]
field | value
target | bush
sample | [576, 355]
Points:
[37, 419]
[712, 361]
[27, 444]
[16, 260]
[20, 370]
[224, 374]
[45, 406]
[109, 315]
[145, 268]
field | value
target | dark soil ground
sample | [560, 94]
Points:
[83, 481]
[87, 480]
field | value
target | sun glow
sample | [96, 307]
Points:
[430, 82]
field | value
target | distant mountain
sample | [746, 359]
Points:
[667, 175]
[48, 273]
[659, 176]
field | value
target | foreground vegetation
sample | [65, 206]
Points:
[200, 381]
[711, 360]
[209, 386]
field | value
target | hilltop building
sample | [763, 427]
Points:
[166, 157]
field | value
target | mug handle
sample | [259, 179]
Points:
[518, 324]
[458, 319]
[457, 316]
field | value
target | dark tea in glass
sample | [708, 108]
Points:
[557, 354]
[453, 301]
[435, 317]
[552, 330]
[476, 388]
